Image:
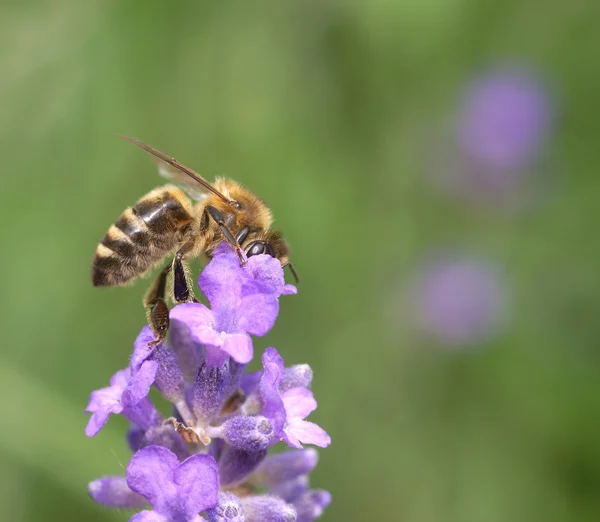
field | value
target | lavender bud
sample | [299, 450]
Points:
[266, 508]
[291, 490]
[228, 509]
[283, 467]
[135, 437]
[311, 505]
[162, 435]
[249, 433]
[236, 371]
[235, 464]
[169, 379]
[209, 391]
[114, 492]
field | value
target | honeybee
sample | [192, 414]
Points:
[166, 221]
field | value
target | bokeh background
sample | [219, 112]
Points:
[433, 163]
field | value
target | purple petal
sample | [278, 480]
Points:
[298, 402]
[299, 375]
[189, 353]
[105, 401]
[258, 313]
[140, 383]
[307, 433]
[291, 440]
[273, 407]
[289, 290]
[120, 379]
[239, 347]
[221, 279]
[109, 397]
[198, 319]
[114, 492]
[214, 355]
[141, 351]
[267, 271]
[261, 293]
[197, 483]
[250, 382]
[143, 414]
[148, 516]
[243, 298]
[97, 421]
[150, 473]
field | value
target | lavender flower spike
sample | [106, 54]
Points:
[209, 459]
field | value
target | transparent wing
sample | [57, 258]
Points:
[194, 184]
[192, 188]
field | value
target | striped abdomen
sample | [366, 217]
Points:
[141, 237]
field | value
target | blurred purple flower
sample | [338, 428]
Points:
[459, 302]
[505, 118]
[207, 458]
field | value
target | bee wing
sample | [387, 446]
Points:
[194, 184]
[178, 177]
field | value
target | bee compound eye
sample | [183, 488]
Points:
[269, 249]
[260, 247]
[256, 248]
[242, 235]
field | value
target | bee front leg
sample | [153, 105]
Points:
[218, 217]
[157, 311]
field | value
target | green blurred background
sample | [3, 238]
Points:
[325, 109]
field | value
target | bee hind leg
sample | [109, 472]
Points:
[157, 311]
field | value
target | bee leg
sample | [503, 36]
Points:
[157, 311]
[218, 217]
[182, 286]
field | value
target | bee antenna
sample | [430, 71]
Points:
[293, 271]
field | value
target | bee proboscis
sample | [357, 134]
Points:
[185, 219]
